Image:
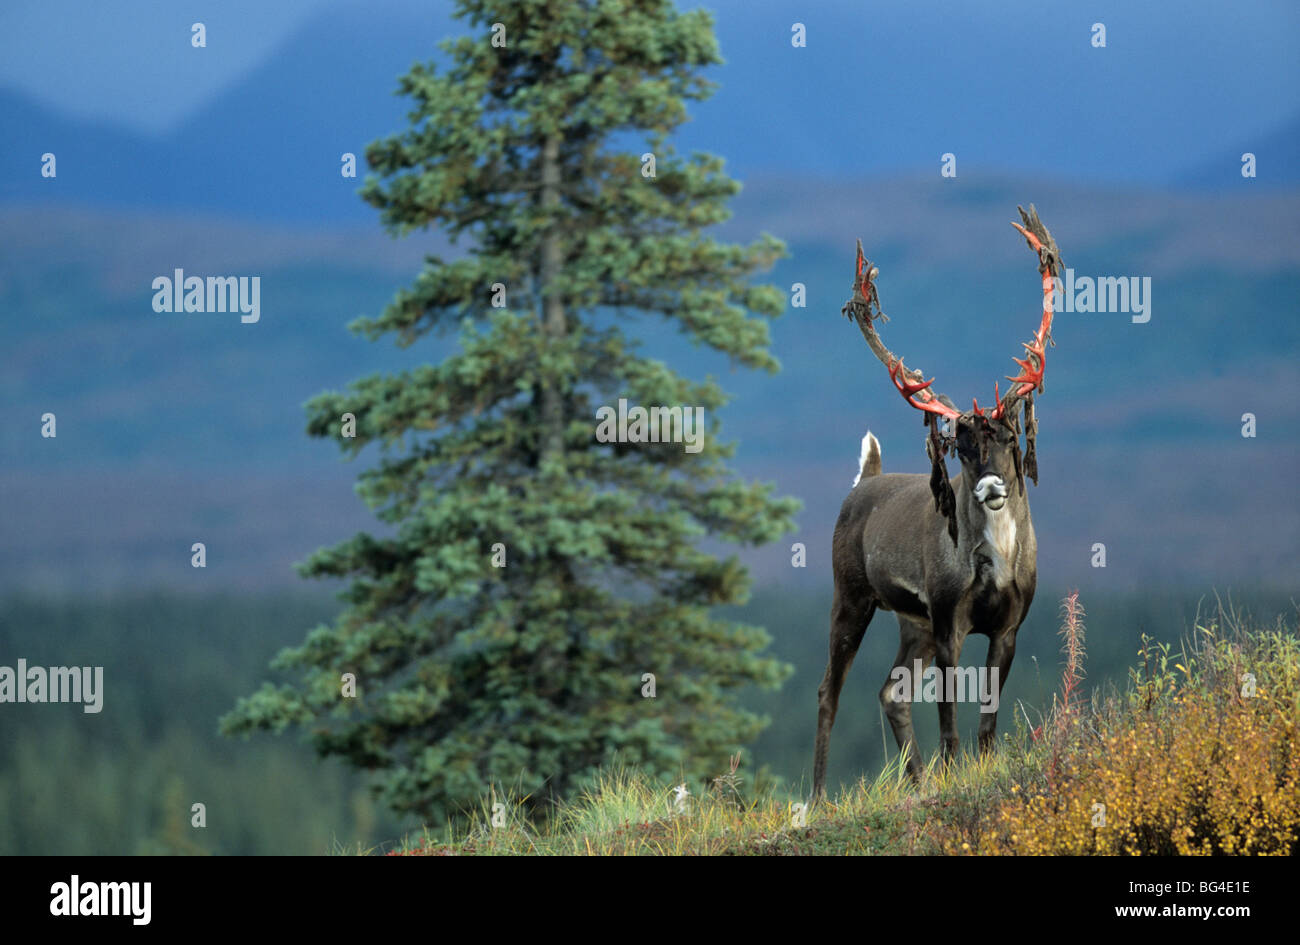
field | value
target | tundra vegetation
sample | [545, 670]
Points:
[1194, 754]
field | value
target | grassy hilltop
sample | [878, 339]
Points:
[1196, 754]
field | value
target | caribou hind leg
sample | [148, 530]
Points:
[848, 626]
[915, 642]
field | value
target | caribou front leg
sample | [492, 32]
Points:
[946, 657]
[948, 642]
[1002, 650]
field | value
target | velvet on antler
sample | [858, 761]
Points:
[864, 307]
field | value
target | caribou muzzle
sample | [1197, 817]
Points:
[992, 492]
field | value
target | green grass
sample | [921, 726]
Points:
[625, 814]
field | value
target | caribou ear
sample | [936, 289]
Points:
[945, 502]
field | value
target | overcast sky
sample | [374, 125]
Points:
[106, 60]
[129, 62]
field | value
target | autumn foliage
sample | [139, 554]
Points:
[1199, 756]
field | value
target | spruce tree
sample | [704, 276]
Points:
[537, 573]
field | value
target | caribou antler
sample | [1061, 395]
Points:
[864, 307]
[1030, 379]
[911, 384]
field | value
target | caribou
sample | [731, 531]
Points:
[949, 556]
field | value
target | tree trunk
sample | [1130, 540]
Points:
[553, 320]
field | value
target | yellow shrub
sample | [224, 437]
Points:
[1210, 766]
